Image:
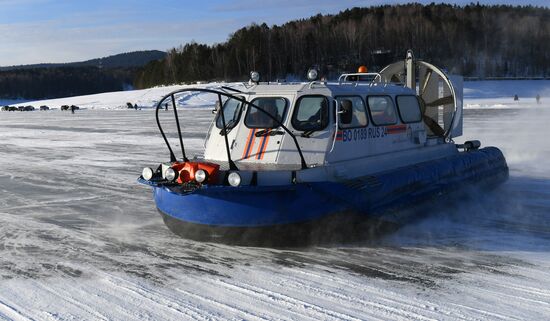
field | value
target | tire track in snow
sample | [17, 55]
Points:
[391, 304]
[493, 288]
[419, 306]
[13, 312]
[484, 313]
[158, 298]
[224, 306]
[92, 291]
[67, 298]
[530, 290]
[259, 304]
[256, 291]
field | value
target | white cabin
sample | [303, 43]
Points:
[362, 124]
[351, 128]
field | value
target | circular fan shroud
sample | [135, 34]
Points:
[438, 97]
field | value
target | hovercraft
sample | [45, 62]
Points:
[288, 163]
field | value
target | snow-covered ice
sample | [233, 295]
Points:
[81, 239]
[145, 98]
[499, 94]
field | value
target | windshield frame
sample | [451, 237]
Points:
[229, 125]
[295, 122]
[253, 101]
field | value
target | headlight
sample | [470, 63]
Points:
[170, 174]
[312, 74]
[147, 173]
[200, 176]
[234, 179]
[254, 76]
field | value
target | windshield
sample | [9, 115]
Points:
[311, 113]
[275, 106]
[232, 112]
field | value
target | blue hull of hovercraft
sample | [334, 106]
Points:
[368, 197]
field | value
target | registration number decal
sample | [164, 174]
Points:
[357, 134]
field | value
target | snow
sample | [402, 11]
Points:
[499, 94]
[477, 94]
[82, 240]
[146, 98]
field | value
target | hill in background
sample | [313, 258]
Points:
[123, 60]
[106, 74]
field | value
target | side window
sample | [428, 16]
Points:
[275, 106]
[382, 110]
[310, 113]
[359, 113]
[232, 112]
[408, 108]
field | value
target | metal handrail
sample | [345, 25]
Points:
[219, 94]
[372, 74]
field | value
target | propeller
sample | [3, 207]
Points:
[430, 79]
[425, 83]
[441, 101]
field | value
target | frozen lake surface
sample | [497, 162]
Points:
[81, 239]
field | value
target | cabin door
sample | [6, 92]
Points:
[259, 139]
[310, 123]
[215, 148]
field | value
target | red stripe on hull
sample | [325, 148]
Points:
[396, 129]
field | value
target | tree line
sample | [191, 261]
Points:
[473, 40]
[106, 74]
[39, 83]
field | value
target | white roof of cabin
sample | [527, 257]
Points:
[330, 89]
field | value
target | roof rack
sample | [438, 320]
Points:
[360, 77]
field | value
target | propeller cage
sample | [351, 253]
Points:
[440, 94]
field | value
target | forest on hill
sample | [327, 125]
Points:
[473, 40]
[123, 60]
[38, 81]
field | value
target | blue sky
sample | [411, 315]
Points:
[35, 31]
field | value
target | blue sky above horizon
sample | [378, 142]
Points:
[42, 31]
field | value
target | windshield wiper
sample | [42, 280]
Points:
[229, 126]
[308, 133]
[269, 132]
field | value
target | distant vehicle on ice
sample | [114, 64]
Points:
[25, 108]
[130, 106]
[44, 107]
[71, 107]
